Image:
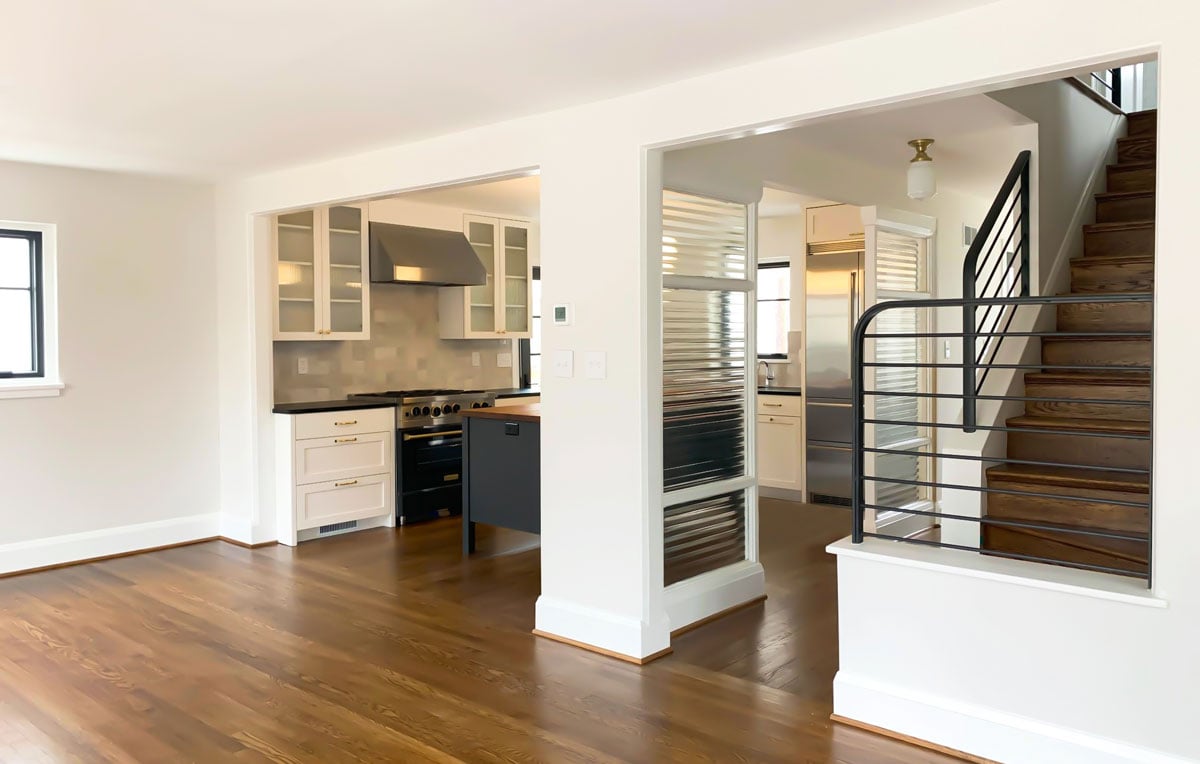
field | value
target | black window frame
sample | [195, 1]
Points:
[525, 347]
[761, 267]
[36, 303]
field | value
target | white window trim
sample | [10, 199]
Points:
[50, 383]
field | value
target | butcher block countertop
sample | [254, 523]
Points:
[530, 412]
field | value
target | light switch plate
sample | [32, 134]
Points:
[564, 363]
[504, 360]
[302, 366]
[474, 359]
[595, 364]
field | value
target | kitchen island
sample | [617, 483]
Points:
[501, 463]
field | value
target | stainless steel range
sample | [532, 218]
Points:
[429, 449]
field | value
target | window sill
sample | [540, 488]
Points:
[1015, 572]
[28, 388]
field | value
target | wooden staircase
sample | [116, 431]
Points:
[1118, 258]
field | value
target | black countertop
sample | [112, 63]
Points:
[318, 406]
[517, 392]
[779, 391]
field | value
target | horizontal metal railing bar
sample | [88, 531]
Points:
[961, 335]
[985, 520]
[1006, 428]
[1006, 491]
[1027, 398]
[1052, 299]
[1012, 555]
[1056, 367]
[1002, 459]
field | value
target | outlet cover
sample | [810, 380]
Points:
[504, 360]
[564, 363]
[475, 359]
[302, 366]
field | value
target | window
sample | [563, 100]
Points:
[531, 349]
[774, 309]
[28, 337]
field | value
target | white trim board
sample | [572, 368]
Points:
[979, 730]
[81, 547]
[613, 632]
[714, 592]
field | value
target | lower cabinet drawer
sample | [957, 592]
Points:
[780, 405]
[337, 501]
[323, 459]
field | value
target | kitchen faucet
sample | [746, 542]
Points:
[769, 376]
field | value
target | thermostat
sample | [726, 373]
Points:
[562, 315]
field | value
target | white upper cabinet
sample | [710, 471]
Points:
[834, 223]
[322, 286]
[500, 308]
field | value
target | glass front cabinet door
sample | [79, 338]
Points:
[322, 281]
[501, 307]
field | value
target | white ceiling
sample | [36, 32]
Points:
[231, 87]
[519, 197]
[975, 145]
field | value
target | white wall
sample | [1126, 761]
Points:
[132, 440]
[601, 561]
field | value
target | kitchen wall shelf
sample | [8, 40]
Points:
[320, 253]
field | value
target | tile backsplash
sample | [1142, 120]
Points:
[404, 352]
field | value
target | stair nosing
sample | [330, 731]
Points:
[1118, 195]
[1098, 378]
[1137, 138]
[1099, 336]
[1118, 225]
[1132, 166]
[1076, 423]
[1019, 473]
[1090, 260]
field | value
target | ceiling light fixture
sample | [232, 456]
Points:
[922, 182]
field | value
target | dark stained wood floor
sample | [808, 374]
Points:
[386, 646]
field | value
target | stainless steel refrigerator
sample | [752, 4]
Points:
[834, 288]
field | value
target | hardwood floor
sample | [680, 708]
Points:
[387, 646]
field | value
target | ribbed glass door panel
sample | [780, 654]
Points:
[704, 386]
[703, 535]
[899, 263]
[703, 237]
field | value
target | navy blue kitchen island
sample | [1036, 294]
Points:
[501, 463]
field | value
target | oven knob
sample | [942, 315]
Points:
[484, 405]
[425, 411]
[475, 405]
[437, 411]
[416, 411]
[455, 408]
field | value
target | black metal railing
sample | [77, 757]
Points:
[1006, 225]
[862, 448]
[1108, 83]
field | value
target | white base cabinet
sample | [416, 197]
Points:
[780, 445]
[334, 468]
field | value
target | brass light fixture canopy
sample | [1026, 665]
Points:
[920, 144]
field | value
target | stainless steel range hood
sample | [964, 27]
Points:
[404, 254]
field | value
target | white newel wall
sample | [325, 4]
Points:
[1017, 665]
[126, 457]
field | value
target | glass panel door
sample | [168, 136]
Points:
[296, 246]
[516, 278]
[482, 298]
[346, 282]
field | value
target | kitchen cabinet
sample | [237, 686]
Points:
[834, 222]
[500, 308]
[335, 472]
[502, 470]
[780, 446]
[321, 274]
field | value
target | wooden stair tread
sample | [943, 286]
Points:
[1072, 477]
[1088, 425]
[1120, 225]
[1092, 543]
[1097, 261]
[1128, 378]
[1099, 336]
[1131, 166]
[1119, 195]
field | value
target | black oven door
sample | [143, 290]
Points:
[430, 457]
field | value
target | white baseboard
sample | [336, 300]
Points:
[615, 633]
[710, 593]
[787, 494]
[979, 730]
[76, 547]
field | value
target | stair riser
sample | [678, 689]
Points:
[1137, 150]
[1096, 353]
[1058, 548]
[1125, 210]
[1109, 411]
[1100, 317]
[1133, 242]
[1098, 277]
[1084, 514]
[1143, 124]
[1083, 450]
[1126, 179]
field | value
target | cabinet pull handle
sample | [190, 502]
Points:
[426, 436]
[451, 477]
[345, 440]
[773, 405]
[345, 483]
[344, 424]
